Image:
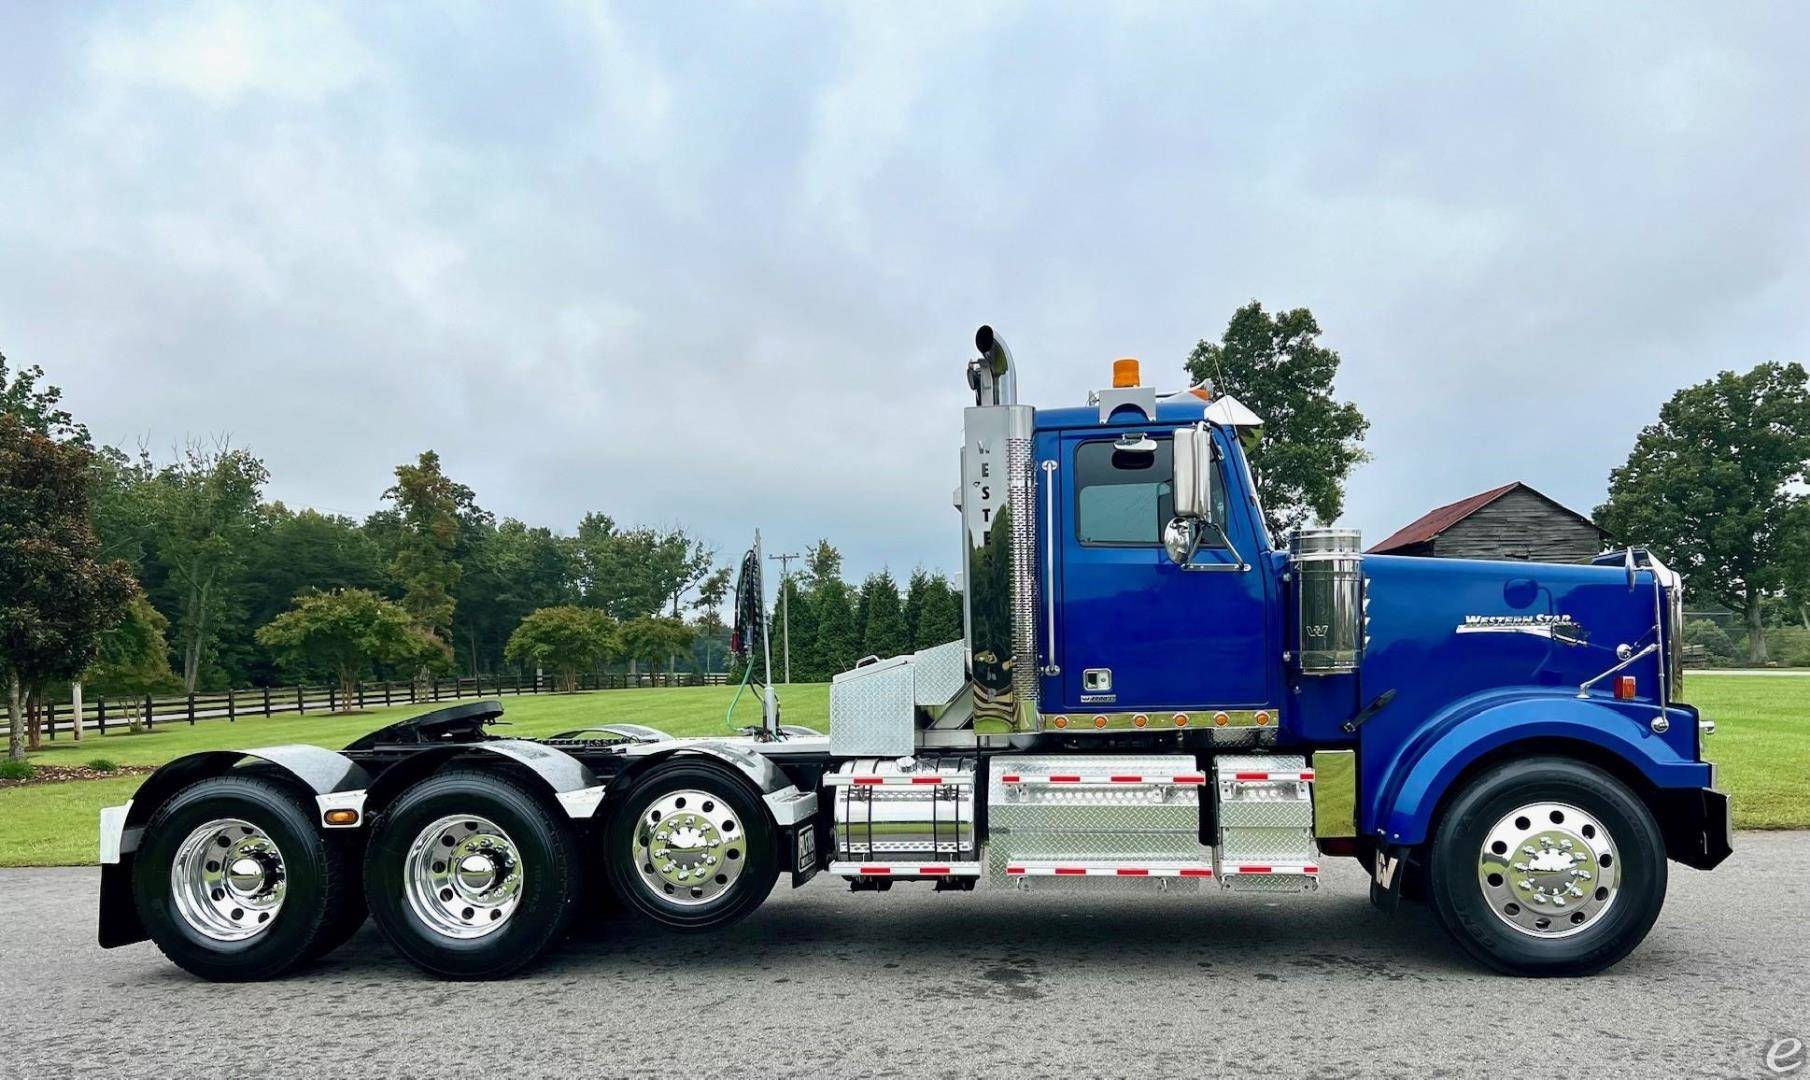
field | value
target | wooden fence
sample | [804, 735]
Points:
[101, 714]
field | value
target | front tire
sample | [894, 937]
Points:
[691, 848]
[471, 876]
[1548, 867]
[235, 882]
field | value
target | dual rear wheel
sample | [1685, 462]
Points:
[470, 874]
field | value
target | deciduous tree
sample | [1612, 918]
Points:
[133, 659]
[203, 511]
[427, 504]
[1714, 486]
[566, 639]
[343, 631]
[651, 638]
[56, 596]
[1277, 366]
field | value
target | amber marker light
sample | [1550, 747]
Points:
[340, 817]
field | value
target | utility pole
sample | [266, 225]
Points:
[785, 608]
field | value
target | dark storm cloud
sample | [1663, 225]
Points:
[723, 269]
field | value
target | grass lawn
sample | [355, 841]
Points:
[1762, 743]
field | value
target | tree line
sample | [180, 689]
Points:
[144, 576]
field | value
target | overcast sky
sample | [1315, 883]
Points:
[724, 267]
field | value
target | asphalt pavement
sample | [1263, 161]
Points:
[826, 983]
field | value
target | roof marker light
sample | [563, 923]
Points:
[1124, 372]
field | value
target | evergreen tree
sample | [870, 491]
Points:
[941, 619]
[882, 617]
[838, 635]
[915, 591]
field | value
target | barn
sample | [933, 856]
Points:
[1513, 521]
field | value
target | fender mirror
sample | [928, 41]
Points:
[1195, 476]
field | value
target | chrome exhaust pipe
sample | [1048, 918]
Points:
[993, 377]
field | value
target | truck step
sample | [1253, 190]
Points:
[1264, 806]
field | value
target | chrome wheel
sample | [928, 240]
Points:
[228, 880]
[689, 847]
[1549, 870]
[463, 876]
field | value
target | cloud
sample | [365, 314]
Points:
[223, 52]
[722, 265]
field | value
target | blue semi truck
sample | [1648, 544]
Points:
[1151, 692]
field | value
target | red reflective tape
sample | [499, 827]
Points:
[1014, 869]
[1251, 776]
[1132, 871]
[1307, 774]
[1197, 871]
[1190, 778]
[1310, 868]
[876, 869]
[868, 780]
[1070, 871]
[926, 779]
[933, 869]
[1126, 779]
[1011, 778]
[1065, 779]
[1253, 868]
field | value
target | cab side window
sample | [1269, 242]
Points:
[1124, 498]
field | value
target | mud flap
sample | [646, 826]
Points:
[1389, 871]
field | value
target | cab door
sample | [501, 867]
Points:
[1134, 631]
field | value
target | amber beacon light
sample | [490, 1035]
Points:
[1125, 372]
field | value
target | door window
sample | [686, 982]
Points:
[1124, 497]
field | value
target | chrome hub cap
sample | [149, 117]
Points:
[689, 847]
[1549, 870]
[464, 876]
[228, 880]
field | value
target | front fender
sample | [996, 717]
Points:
[1412, 782]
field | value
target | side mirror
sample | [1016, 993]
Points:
[1195, 477]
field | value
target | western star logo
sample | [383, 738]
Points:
[1561, 628]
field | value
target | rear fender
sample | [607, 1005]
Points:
[1408, 792]
[569, 782]
[323, 773]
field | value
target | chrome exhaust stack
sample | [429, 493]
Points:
[999, 544]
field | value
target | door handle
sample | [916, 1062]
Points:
[1051, 667]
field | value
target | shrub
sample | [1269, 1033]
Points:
[1789, 646]
[15, 770]
[101, 764]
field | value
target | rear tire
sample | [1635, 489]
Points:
[470, 875]
[1548, 867]
[691, 848]
[235, 882]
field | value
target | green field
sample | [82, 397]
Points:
[1762, 744]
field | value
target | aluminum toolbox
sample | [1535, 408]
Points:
[873, 710]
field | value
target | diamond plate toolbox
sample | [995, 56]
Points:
[1116, 810]
[873, 710]
[1265, 814]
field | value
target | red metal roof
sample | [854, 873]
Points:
[1434, 522]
